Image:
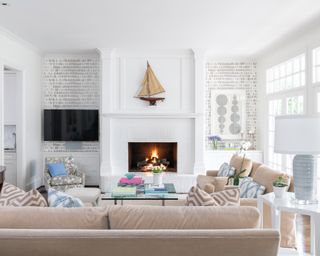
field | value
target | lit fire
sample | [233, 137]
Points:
[153, 160]
[154, 155]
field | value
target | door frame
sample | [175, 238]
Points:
[20, 122]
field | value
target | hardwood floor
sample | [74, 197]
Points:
[303, 234]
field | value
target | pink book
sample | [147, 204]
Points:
[135, 180]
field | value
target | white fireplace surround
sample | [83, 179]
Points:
[180, 118]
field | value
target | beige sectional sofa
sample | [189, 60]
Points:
[135, 230]
[265, 176]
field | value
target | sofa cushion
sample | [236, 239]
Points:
[198, 197]
[250, 188]
[60, 199]
[218, 182]
[30, 198]
[236, 162]
[53, 218]
[184, 217]
[266, 176]
[57, 169]
[65, 180]
[10, 193]
[227, 197]
[226, 170]
[14, 196]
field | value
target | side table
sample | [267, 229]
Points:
[287, 204]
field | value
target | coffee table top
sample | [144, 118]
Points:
[171, 195]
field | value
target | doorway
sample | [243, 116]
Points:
[12, 124]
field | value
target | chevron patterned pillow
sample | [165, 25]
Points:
[13, 196]
[228, 197]
[198, 197]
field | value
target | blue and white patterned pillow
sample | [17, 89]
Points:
[60, 199]
[250, 188]
[226, 170]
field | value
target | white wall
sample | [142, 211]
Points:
[296, 43]
[20, 55]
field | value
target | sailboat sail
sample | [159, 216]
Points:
[150, 84]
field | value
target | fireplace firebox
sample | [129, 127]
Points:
[144, 155]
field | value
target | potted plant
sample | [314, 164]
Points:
[157, 174]
[279, 186]
[235, 179]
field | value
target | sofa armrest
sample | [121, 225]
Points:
[212, 173]
[218, 182]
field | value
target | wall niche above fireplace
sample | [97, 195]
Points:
[143, 155]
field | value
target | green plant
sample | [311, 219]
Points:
[280, 182]
[236, 177]
[158, 169]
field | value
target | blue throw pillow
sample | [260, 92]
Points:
[59, 199]
[57, 170]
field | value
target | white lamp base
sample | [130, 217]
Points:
[305, 179]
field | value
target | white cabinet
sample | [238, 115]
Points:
[10, 161]
[215, 158]
[87, 162]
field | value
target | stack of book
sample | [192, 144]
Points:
[124, 192]
[134, 181]
[155, 190]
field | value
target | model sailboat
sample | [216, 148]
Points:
[150, 86]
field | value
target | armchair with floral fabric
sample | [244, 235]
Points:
[74, 179]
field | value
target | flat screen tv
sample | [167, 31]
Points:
[71, 125]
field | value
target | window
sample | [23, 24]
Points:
[287, 75]
[294, 105]
[286, 96]
[275, 109]
[316, 65]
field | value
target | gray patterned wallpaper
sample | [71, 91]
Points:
[71, 82]
[231, 76]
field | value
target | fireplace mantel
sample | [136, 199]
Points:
[137, 115]
[179, 118]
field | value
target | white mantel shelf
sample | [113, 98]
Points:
[135, 115]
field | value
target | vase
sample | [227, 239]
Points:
[157, 179]
[279, 191]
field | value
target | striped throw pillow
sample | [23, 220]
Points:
[228, 197]
[198, 197]
[13, 196]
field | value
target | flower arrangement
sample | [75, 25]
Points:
[158, 168]
[214, 140]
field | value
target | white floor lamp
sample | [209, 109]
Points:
[300, 135]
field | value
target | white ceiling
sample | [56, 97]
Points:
[227, 27]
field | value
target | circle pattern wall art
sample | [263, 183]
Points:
[228, 115]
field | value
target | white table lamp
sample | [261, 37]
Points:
[300, 135]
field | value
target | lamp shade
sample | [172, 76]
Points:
[297, 135]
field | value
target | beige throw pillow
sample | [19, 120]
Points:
[13, 196]
[198, 197]
[229, 197]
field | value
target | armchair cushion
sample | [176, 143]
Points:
[65, 180]
[57, 169]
